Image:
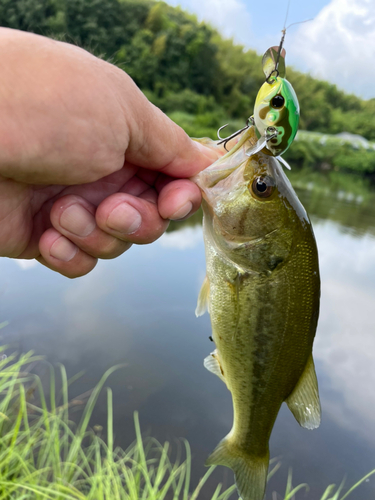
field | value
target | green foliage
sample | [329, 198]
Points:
[167, 51]
[203, 125]
[45, 456]
[317, 152]
[327, 152]
[27, 15]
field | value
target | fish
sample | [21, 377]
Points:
[262, 291]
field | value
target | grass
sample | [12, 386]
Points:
[44, 455]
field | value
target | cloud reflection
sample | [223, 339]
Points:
[345, 343]
[183, 239]
[26, 264]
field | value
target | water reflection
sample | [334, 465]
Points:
[139, 309]
[346, 343]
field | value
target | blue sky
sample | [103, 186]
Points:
[337, 45]
[270, 21]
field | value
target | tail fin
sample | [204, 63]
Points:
[250, 472]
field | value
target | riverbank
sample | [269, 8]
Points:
[314, 151]
[45, 455]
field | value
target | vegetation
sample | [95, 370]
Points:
[44, 455]
[183, 65]
[200, 79]
[328, 152]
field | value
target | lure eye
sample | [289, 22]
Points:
[278, 101]
[263, 187]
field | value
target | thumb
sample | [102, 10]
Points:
[157, 143]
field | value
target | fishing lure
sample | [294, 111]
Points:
[276, 109]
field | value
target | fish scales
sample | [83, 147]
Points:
[262, 291]
[257, 343]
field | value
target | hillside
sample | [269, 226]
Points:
[181, 64]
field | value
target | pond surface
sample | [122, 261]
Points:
[139, 310]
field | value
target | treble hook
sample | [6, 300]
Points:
[227, 139]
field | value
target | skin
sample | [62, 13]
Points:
[88, 165]
[264, 290]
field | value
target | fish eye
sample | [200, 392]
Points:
[263, 187]
[277, 101]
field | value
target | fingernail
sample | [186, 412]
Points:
[63, 249]
[124, 219]
[77, 220]
[183, 211]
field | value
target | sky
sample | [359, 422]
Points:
[338, 45]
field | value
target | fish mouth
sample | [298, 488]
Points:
[227, 164]
[208, 179]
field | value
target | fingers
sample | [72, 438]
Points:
[74, 218]
[74, 245]
[178, 199]
[82, 234]
[61, 255]
[132, 219]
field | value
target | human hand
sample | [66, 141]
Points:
[86, 162]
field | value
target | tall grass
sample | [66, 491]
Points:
[45, 456]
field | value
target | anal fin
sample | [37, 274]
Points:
[304, 401]
[203, 298]
[212, 363]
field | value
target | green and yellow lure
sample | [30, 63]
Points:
[276, 109]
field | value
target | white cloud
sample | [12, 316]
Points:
[185, 238]
[339, 45]
[231, 17]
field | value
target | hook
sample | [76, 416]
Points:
[227, 139]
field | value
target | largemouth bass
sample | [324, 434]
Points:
[262, 292]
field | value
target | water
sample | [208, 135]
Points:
[139, 310]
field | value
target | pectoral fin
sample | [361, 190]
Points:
[212, 363]
[304, 401]
[203, 298]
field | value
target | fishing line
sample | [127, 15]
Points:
[287, 13]
[269, 79]
[293, 24]
[283, 31]
[300, 22]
